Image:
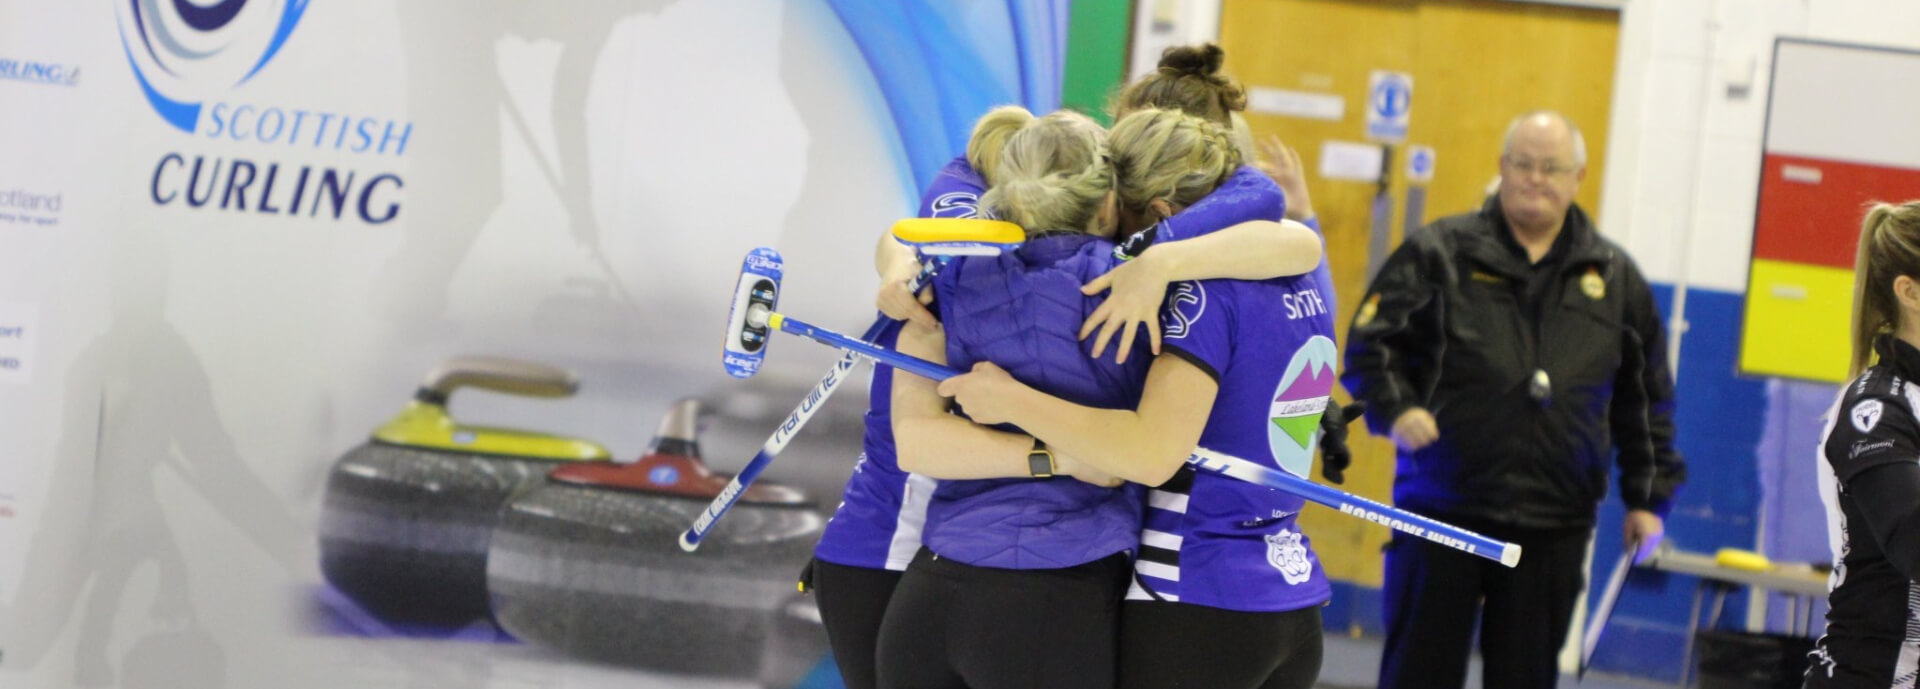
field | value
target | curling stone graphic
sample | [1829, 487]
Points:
[589, 563]
[407, 515]
[797, 644]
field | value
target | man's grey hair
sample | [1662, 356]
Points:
[1579, 142]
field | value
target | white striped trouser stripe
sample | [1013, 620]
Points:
[1160, 539]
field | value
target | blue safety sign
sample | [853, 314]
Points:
[1420, 164]
[1389, 106]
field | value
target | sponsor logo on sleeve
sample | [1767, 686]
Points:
[1298, 403]
[1184, 307]
[957, 204]
[1865, 448]
[1866, 415]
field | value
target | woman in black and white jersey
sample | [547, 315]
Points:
[1869, 476]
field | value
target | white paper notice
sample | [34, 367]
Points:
[19, 325]
[1304, 104]
[1804, 174]
[1348, 161]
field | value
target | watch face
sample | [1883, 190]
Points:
[1040, 463]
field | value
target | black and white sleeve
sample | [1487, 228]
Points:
[1875, 454]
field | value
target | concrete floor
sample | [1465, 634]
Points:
[1355, 663]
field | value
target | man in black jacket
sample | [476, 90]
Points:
[1510, 352]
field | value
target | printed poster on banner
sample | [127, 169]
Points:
[237, 150]
[18, 327]
[1389, 106]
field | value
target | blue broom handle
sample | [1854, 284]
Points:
[1202, 459]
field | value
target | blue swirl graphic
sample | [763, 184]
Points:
[208, 18]
[289, 17]
[173, 45]
[939, 68]
[183, 116]
[140, 27]
[150, 27]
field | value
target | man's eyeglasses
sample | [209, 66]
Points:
[1547, 169]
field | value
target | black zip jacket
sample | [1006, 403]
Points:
[1530, 409]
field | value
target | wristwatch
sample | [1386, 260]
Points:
[1040, 460]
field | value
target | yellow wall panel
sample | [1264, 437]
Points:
[1797, 320]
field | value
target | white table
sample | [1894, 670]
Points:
[1798, 580]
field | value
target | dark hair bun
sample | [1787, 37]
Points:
[1198, 60]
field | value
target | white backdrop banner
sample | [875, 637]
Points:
[236, 236]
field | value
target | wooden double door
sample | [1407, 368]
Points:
[1476, 64]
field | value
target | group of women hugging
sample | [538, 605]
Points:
[1031, 524]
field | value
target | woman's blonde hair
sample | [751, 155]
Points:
[1889, 248]
[1168, 154]
[990, 136]
[1243, 138]
[1188, 79]
[1043, 173]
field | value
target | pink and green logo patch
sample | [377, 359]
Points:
[1298, 403]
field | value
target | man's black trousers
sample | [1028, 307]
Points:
[1434, 595]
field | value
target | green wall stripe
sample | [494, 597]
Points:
[1097, 37]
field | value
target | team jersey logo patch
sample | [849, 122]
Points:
[1184, 306]
[957, 204]
[1288, 555]
[1299, 401]
[1866, 415]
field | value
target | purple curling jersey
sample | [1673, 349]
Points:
[1217, 541]
[1247, 194]
[1022, 310]
[878, 523]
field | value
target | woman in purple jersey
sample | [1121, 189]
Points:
[1189, 79]
[875, 531]
[1023, 566]
[1226, 590]
[876, 528]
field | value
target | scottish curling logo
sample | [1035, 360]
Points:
[1299, 401]
[194, 59]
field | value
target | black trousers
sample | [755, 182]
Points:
[1434, 595]
[956, 626]
[852, 602]
[1168, 645]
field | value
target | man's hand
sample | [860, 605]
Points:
[1415, 429]
[984, 394]
[1139, 287]
[1335, 457]
[1645, 528]
[1281, 163]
